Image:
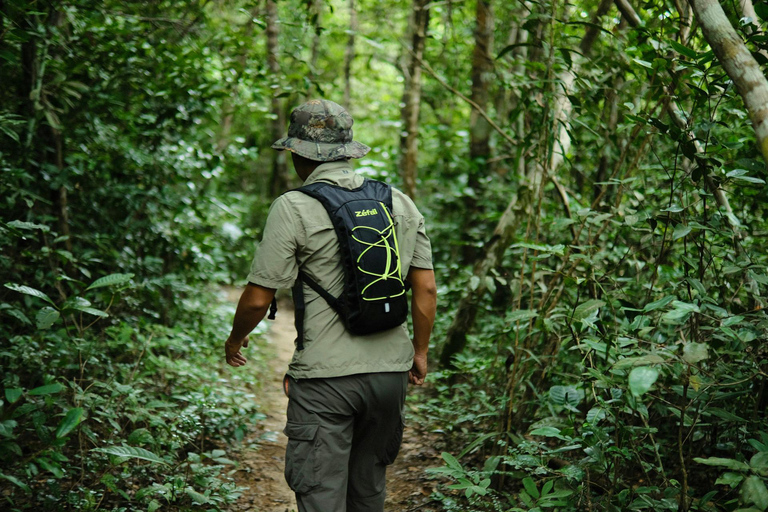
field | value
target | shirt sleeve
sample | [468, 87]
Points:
[274, 265]
[422, 254]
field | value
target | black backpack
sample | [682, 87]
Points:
[374, 296]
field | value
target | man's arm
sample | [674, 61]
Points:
[253, 305]
[423, 308]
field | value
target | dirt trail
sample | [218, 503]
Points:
[263, 460]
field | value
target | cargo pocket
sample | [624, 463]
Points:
[393, 446]
[300, 456]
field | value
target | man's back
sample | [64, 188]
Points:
[299, 234]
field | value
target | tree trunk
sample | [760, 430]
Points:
[349, 54]
[279, 180]
[479, 128]
[409, 141]
[317, 7]
[482, 67]
[739, 63]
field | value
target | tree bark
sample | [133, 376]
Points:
[409, 140]
[279, 180]
[349, 54]
[739, 63]
[482, 68]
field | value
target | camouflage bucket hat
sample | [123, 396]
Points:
[321, 130]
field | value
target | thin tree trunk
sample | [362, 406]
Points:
[739, 63]
[482, 68]
[409, 141]
[315, 52]
[279, 180]
[479, 128]
[349, 54]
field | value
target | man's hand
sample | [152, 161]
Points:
[418, 371]
[253, 305]
[232, 349]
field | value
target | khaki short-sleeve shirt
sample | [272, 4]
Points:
[299, 235]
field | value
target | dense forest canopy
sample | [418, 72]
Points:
[593, 178]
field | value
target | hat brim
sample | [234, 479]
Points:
[321, 151]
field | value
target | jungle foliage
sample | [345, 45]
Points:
[599, 230]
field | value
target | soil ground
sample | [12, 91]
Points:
[262, 459]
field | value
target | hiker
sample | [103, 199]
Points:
[346, 391]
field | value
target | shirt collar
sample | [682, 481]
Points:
[335, 173]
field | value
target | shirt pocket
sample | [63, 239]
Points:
[300, 467]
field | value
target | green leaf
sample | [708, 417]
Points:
[587, 309]
[595, 414]
[695, 352]
[683, 50]
[70, 421]
[759, 463]
[644, 63]
[554, 249]
[30, 226]
[521, 314]
[15, 481]
[680, 312]
[29, 291]
[753, 491]
[761, 9]
[741, 174]
[110, 280]
[6, 428]
[680, 231]
[641, 379]
[530, 487]
[46, 317]
[730, 479]
[48, 389]
[13, 394]
[451, 461]
[565, 395]
[723, 463]
[94, 312]
[548, 432]
[200, 499]
[131, 451]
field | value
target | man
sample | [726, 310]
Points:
[346, 392]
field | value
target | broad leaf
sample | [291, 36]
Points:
[587, 309]
[70, 421]
[565, 395]
[131, 451]
[723, 463]
[48, 389]
[13, 394]
[659, 303]
[29, 291]
[451, 461]
[110, 280]
[641, 379]
[730, 479]
[753, 491]
[15, 481]
[46, 317]
[695, 352]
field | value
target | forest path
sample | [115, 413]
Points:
[262, 459]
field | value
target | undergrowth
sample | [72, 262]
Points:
[129, 416]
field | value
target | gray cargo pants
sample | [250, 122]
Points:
[342, 433]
